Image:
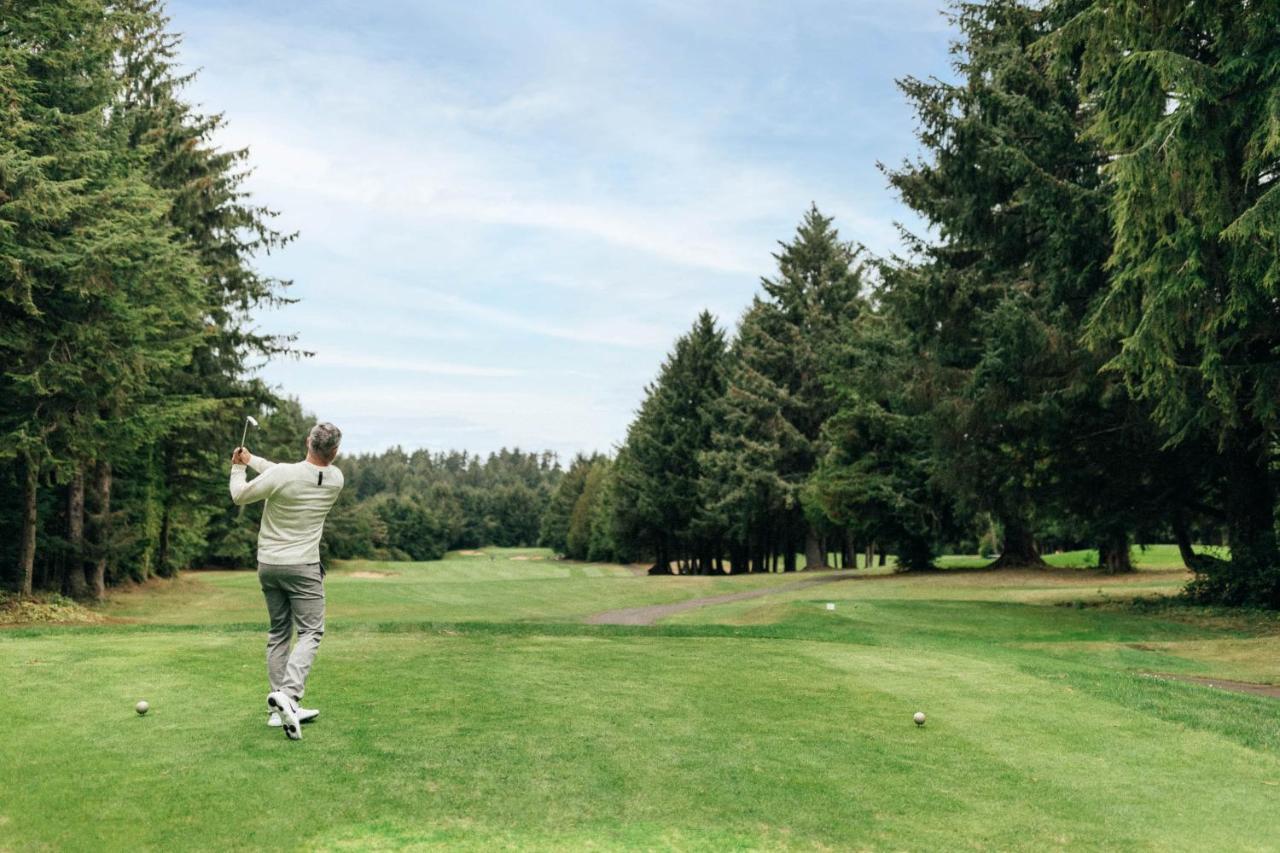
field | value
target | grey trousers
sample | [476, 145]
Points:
[295, 597]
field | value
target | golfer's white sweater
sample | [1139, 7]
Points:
[299, 495]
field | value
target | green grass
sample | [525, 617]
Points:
[511, 587]
[466, 705]
[1146, 557]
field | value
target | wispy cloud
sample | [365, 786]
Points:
[337, 358]
[503, 194]
[615, 332]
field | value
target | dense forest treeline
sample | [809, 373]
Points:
[1081, 349]
[396, 505]
[126, 287]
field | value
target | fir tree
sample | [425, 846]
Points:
[658, 469]
[770, 422]
[876, 478]
[1026, 429]
[558, 515]
[224, 230]
[578, 540]
[103, 289]
[1184, 103]
[740, 488]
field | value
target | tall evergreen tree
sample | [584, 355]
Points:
[578, 540]
[558, 515]
[740, 489]
[103, 290]
[224, 230]
[1184, 101]
[601, 544]
[876, 478]
[771, 421]
[1026, 428]
[658, 469]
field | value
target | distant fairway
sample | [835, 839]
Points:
[465, 704]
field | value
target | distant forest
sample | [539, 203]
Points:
[1083, 349]
[398, 505]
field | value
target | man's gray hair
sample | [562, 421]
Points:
[324, 440]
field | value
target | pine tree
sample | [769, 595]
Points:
[741, 489]
[558, 515]
[601, 545]
[818, 288]
[39, 205]
[769, 433]
[876, 476]
[104, 290]
[1026, 428]
[1184, 103]
[578, 540]
[224, 230]
[658, 469]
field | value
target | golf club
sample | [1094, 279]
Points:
[248, 419]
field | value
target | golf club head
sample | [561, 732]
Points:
[248, 419]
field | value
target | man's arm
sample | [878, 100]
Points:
[259, 488]
[259, 464]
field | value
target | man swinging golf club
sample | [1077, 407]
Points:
[298, 496]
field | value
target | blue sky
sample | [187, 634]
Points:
[508, 211]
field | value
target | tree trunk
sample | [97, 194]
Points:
[815, 556]
[662, 563]
[27, 552]
[884, 557]
[99, 585]
[1113, 553]
[74, 582]
[849, 551]
[1250, 576]
[1019, 549]
[1182, 535]
[870, 555]
[162, 549]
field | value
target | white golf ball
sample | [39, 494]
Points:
[831, 605]
[142, 707]
[919, 718]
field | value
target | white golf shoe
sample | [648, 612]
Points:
[305, 715]
[283, 705]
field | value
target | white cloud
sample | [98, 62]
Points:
[329, 357]
[426, 417]
[491, 192]
[613, 332]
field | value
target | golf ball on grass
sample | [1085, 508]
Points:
[142, 707]
[831, 605]
[919, 718]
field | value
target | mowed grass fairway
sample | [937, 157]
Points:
[465, 704]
